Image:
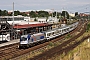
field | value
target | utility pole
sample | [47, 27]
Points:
[52, 12]
[13, 13]
[56, 14]
[65, 15]
[13, 21]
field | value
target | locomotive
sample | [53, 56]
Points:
[31, 39]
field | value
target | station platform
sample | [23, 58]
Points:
[9, 43]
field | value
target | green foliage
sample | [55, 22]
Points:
[68, 36]
[23, 14]
[65, 14]
[88, 27]
[76, 13]
[3, 13]
[33, 14]
[16, 13]
[39, 14]
[43, 14]
[58, 14]
[51, 44]
[0, 12]
[62, 55]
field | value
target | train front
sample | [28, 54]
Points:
[24, 41]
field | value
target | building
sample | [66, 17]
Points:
[52, 20]
[42, 20]
[27, 18]
[72, 14]
[19, 26]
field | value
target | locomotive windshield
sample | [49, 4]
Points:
[23, 39]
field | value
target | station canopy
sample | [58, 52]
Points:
[30, 25]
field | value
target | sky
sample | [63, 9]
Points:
[58, 5]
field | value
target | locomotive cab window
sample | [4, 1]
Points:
[49, 34]
[23, 38]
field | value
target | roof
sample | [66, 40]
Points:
[30, 25]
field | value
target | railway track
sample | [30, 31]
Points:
[12, 51]
[64, 47]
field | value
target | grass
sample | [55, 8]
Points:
[81, 52]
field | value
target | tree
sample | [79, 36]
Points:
[0, 12]
[58, 14]
[76, 13]
[24, 14]
[4, 13]
[65, 14]
[33, 14]
[17, 13]
[43, 14]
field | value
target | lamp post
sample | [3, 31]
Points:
[13, 22]
[13, 13]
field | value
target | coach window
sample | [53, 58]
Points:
[68, 28]
[53, 32]
[47, 34]
[50, 34]
[62, 31]
[65, 30]
[58, 31]
[75, 26]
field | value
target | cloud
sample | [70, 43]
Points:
[43, 4]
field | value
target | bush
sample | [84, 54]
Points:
[68, 36]
[51, 44]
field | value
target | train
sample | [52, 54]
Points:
[31, 39]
